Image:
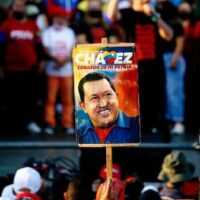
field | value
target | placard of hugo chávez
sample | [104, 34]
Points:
[106, 95]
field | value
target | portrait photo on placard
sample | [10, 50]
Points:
[106, 95]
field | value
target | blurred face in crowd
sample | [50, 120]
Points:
[100, 103]
[113, 39]
[18, 9]
[81, 38]
[94, 11]
[185, 11]
[59, 22]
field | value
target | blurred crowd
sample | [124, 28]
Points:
[36, 74]
[58, 179]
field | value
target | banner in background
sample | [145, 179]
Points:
[67, 7]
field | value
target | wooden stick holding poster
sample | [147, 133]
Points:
[109, 161]
[105, 190]
[106, 95]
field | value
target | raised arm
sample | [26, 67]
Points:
[165, 31]
[112, 11]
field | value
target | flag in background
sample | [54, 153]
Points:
[63, 7]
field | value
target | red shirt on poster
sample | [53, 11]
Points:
[102, 133]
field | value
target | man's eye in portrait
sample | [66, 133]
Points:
[109, 95]
[94, 99]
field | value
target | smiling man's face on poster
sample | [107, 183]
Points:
[100, 103]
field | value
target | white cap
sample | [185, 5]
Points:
[7, 193]
[27, 177]
[149, 187]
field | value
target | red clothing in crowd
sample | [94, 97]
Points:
[97, 33]
[20, 53]
[27, 195]
[116, 190]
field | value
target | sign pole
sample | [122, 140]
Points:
[109, 161]
[109, 165]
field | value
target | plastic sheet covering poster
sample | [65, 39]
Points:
[106, 95]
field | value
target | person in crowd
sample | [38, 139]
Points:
[116, 174]
[150, 192]
[102, 121]
[8, 193]
[133, 187]
[73, 191]
[111, 189]
[113, 36]
[19, 61]
[27, 183]
[176, 170]
[34, 12]
[92, 22]
[145, 27]
[27, 179]
[82, 37]
[95, 21]
[58, 40]
[191, 54]
[27, 195]
[175, 68]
